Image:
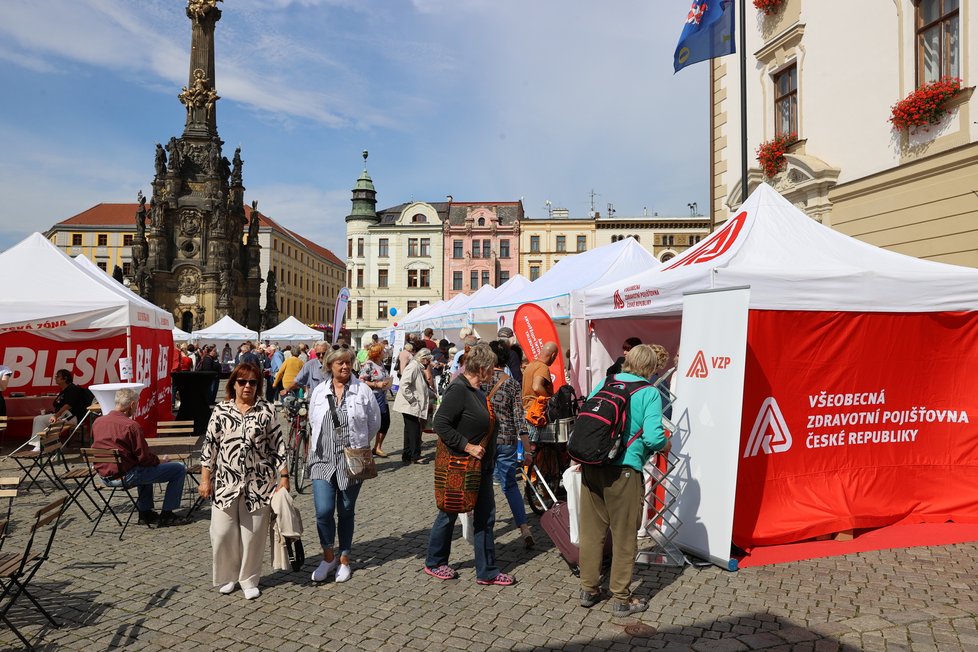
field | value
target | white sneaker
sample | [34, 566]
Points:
[251, 594]
[343, 573]
[228, 588]
[324, 569]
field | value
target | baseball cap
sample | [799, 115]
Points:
[505, 331]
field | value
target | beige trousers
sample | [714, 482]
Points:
[238, 538]
[611, 498]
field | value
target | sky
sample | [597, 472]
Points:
[483, 100]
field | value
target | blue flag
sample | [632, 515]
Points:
[709, 33]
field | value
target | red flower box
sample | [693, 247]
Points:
[771, 154]
[926, 105]
[768, 6]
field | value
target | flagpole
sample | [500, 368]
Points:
[743, 99]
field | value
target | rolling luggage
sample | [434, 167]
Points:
[556, 523]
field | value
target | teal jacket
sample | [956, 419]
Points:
[645, 415]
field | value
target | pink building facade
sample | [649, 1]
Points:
[482, 242]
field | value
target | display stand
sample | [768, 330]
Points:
[661, 522]
[194, 388]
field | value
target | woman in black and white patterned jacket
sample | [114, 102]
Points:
[243, 451]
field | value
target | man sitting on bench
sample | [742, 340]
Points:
[140, 467]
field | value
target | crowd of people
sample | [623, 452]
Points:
[483, 400]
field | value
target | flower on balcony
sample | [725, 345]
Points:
[768, 6]
[926, 105]
[770, 154]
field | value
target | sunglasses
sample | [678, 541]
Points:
[241, 382]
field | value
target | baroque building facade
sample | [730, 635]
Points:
[191, 252]
[481, 245]
[907, 190]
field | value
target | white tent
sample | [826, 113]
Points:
[159, 317]
[225, 330]
[292, 330]
[180, 335]
[552, 291]
[455, 315]
[415, 315]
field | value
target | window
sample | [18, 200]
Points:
[126, 239]
[382, 278]
[938, 40]
[424, 303]
[349, 278]
[486, 249]
[349, 247]
[668, 240]
[482, 221]
[103, 239]
[456, 280]
[561, 243]
[637, 238]
[426, 278]
[476, 249]
[381, 310]
[76, 239]
[412, 278]
[457, 249]
[412, 247]
[419, 219]
[360, 277]
[102, 266]
[786, 101]
[534, 272]
[411, 306]
[485, 277]
[360, 247]
[383, 246]
[473, 280]
[503, 276]
[126, 269]
[534, 244]
[581, 243]
[359, 308]
[426, 247]
[504, 248]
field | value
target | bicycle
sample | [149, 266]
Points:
[297, 444]
[549, 458]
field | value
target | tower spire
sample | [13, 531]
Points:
[364, 197]
[200, 96]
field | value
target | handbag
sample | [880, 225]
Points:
[459, 477]
[360, 463]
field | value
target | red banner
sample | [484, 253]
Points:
[533, 328]
[856, 421]
[151, 367]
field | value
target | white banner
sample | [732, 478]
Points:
[709, 392]
[342, 298]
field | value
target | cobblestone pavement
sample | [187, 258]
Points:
[152, 592]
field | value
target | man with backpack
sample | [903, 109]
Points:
[618, 429]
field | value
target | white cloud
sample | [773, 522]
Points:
[314, 213]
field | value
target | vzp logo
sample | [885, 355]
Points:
[619, 302]
[770, 432]
[698, 369]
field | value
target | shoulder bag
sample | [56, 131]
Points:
[458, 477]
[360, 463]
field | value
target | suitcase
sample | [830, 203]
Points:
[556, 523]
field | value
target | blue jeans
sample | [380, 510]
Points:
[144, 477]
[483, 520]
[505, 472]
[329, 499]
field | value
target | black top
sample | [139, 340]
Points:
[209, 363]
[77, 398]
[463, 418]
[616, 367]
[515, 363]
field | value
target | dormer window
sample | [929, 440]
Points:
[419, 218]
[482, 221]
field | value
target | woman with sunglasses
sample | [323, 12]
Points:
[343, 413]
[243, 451]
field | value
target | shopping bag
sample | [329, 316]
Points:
[572, 485]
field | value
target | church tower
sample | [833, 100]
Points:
[195, 252]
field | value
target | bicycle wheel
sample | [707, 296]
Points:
[299, 469]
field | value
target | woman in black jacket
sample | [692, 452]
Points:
[462, 422]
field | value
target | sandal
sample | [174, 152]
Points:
[380, 453]
[499, 580]
[443, 572]
[528, 541]
[626, 609]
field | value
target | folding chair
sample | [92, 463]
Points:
[85, 425]
[17, 570]
[41, 462]
[94, 456]
[8, 490]
[3, 423]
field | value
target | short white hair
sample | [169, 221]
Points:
[125, 397]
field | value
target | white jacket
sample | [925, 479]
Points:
[361, 409]
[286, 524]
[414, 395]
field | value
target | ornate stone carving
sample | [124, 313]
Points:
[236, 170]
[253, 225]
[197, 153]
[160, 161]
[191, 221]
[141, 217]
[173, 149]
[199, 318]
[198, 9]
[199, 94]
[188, 281]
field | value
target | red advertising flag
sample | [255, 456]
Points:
[533, 328]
